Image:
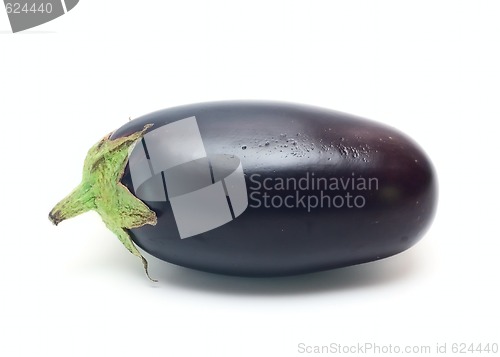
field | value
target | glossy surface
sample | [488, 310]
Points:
[284, 149]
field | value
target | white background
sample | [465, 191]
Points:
[429, 68]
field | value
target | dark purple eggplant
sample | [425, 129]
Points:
[258, 188]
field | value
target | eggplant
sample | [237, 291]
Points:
[258, 188]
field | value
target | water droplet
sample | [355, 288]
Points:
[267, 143]
[329, 158]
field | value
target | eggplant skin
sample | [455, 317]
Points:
[279, 144]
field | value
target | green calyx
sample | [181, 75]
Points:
[101, 190]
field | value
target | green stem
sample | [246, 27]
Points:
[102, 191]
[79, 201]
